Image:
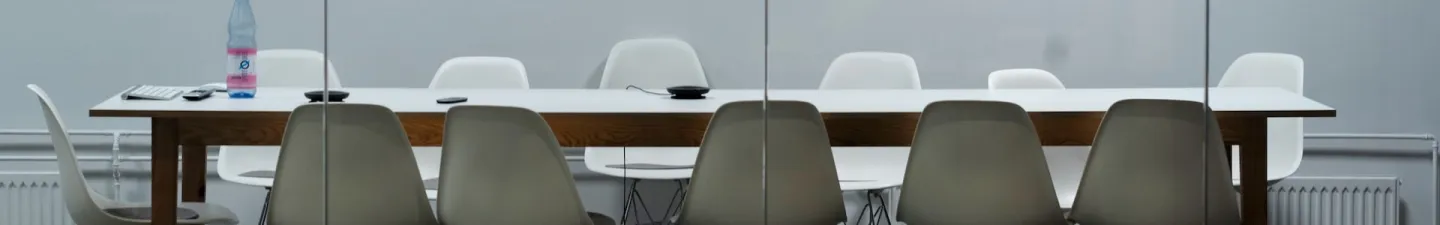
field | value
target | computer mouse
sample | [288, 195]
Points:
[687, 92]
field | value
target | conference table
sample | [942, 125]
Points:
[619, 118]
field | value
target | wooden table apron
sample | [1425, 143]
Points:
[190, 133]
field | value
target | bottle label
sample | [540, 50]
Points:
[241, 74]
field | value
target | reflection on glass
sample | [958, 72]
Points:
[882, 111]
[880, 67]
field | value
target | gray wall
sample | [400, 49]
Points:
[1368, 59]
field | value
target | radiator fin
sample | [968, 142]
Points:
[1335, 201]
[32, 199]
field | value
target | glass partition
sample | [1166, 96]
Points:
[993, 79]
[595, 72]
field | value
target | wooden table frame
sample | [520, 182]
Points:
[189, 133]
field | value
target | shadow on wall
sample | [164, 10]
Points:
[594, 80]
[1404, 212]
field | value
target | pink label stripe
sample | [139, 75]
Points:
[240, 82]
[241, 51]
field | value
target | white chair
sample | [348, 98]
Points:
[87, 207]
[653, 63]
[503, 165]
[1025, 78]
[1066, 164]
[294, 68]
[872, 70]
[731, 185]
[871, 172]
[255, 165]
[471, 72]
[366, 174]
[1147, 166]
[1286, 135]
[977, 162]
[487, 72]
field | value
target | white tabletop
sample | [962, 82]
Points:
[420, 100]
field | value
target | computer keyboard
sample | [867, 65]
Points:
[147, 92]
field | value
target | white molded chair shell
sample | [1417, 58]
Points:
[236, 161]
[652, 63]
[488, 72]
[294, 68]
[502, 165]
[727, 185]
[87, 207]
[977, 162]
[872, 70]
[1286, 135]
[366, 174]
[1066, 163]
[472, 72]
[1024, 78]
[1157, 162]
[277, 68]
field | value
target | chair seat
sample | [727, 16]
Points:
[147, 213]
[248, 165]
[432, 188]
[601, 159]
[187, 213]
[860, 168]
[261, 178]
[870, 168]
[600, 219]
[865, 185]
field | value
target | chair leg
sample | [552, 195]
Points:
[265, 208]
[675, 205]
[641, 200]
[629, 201]
[864, 209]
[884, 209]
[633, 201]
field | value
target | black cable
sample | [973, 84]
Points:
[643, 90]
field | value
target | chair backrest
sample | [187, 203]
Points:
[80, 200]
[1065, 164]
[1147, 166]
[977, 162]
[652, 63]
[731, 185]
[1024, 78]
[872, 70]
[294, 68]
[487, 72]
[502, 165]
[1286, 135]
[365, 173]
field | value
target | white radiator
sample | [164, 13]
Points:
[32, 199]
[1335, 200]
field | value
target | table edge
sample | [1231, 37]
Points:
[243, 114]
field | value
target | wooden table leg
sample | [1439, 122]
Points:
[1253, 194]
[164, 153]
[193, 170]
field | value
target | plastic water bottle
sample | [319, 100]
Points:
[240, 78]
